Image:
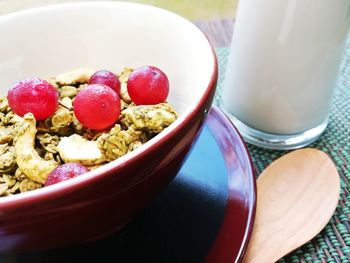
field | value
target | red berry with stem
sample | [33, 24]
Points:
[107, 78]
[148, 85]
[64, 172]
[33, 95]
[97, 106]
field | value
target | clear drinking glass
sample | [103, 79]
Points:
[284, 60]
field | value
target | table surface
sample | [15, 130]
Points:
[333, 243]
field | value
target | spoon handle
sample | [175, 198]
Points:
[296, 197]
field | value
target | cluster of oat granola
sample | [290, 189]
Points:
[30, 149]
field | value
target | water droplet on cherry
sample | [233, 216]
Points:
[33, 95]
[107, 78]
[64, 172]
[148, 86]
[97, 106]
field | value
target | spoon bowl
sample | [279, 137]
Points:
[296, 197]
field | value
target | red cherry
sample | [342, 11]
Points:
[64, 172]
[97, 106]
[107, 78]
[33, 95]
[148, 85]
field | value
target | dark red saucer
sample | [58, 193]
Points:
[205, 214]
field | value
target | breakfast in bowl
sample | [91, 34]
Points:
[102, 36]
[56, 129]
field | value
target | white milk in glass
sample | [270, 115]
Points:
[284, 60]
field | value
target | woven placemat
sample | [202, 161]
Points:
[333, 243]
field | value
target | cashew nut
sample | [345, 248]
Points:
[28, 160]
[76, 148]
[79, 75]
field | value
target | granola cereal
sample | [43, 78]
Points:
[31, 149]
[118, 142]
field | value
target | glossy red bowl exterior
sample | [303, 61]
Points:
[104, 200]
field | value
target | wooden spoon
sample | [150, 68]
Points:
[296, 197]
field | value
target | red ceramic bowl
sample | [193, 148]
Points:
[104, 35]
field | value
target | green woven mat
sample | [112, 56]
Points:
[333, 243]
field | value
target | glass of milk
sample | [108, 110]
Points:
[283, 65]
